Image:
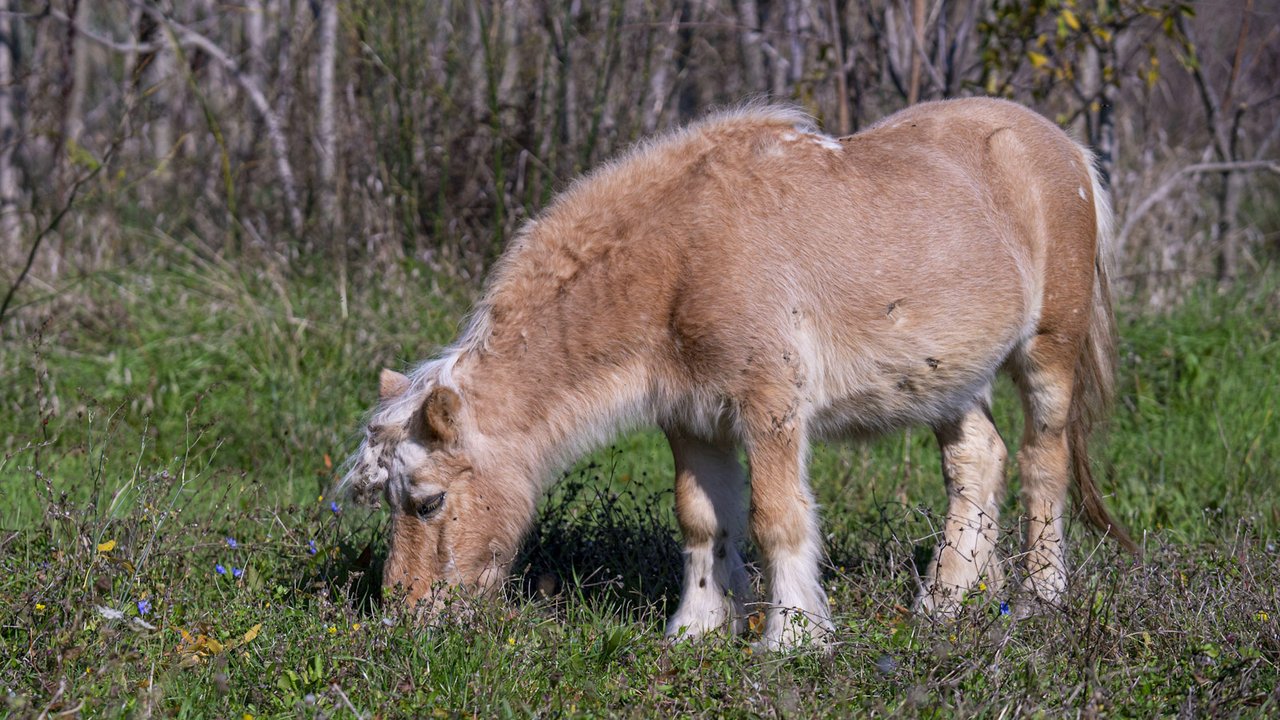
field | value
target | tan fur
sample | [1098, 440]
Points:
[747, 282]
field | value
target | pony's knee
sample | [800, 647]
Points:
[977, 455]
[783, 526]
[1045, 468]
[973, 459]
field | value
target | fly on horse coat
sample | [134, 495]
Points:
[747, 283]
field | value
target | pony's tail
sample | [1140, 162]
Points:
[1093, 390]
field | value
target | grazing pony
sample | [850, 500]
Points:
[748, 283]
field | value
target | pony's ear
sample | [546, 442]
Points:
[391, 384]
[441, 413]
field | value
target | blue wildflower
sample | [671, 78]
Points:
[217, 567]
[311, 547]
[144, 607]
[236, 572]
[231, 543]
[335, 507]
[1004, 608]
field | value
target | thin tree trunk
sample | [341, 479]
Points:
[842, 76]
[1227, 235]
[76, 71]
[327, 123]
[917, 54]
[659, 87]
[158, 75]
[10, 218]
[1107, 141]
[255, 67]
[752, 54]
[793, 37]
[1229, 200]
[255, 33]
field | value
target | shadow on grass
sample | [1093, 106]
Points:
[605, 548]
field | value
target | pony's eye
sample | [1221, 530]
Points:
[429, 506]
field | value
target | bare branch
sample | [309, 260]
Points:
[103, 40]
[1173, 180]
[51, 226]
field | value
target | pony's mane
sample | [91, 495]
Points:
[757, 115]
[360, 474]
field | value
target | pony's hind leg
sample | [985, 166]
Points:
[973, 457]
[784, 523]
[1044, 373]
[710, 489]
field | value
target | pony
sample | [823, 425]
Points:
[748, 283]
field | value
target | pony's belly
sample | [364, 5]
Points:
[858, 401]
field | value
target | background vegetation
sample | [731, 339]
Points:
[217, 220]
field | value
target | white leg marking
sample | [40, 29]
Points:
[973, 457]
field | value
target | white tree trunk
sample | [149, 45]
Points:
[327, 124]
[10, 218]
[73, 120]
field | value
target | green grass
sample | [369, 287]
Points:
[160, 409]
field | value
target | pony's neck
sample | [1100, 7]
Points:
[548, 371]
[537, 411]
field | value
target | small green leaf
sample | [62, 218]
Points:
[81, 156]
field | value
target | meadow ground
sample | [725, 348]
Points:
[170, 431]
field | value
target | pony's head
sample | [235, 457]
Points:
[456, 520]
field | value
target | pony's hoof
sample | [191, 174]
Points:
[682, 630]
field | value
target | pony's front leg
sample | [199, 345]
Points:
[784, 522]
[973, 457]
[710, 489]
